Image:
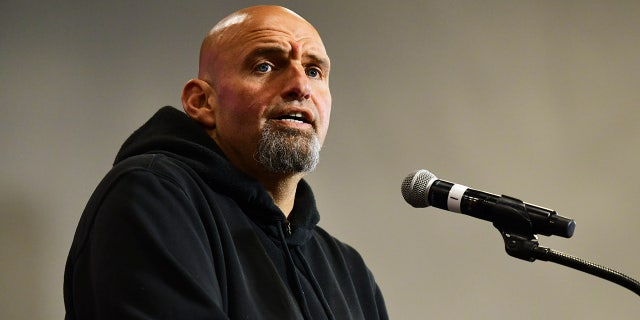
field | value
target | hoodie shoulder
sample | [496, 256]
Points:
[171, 130]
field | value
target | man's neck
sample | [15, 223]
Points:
[282, 189]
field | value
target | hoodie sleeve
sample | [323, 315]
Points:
[143, 253]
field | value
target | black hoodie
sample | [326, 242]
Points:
[174, 231]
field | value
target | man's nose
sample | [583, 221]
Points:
[297, 85]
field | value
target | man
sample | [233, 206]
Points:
[206, 215]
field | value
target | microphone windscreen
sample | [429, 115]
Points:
[415, 186]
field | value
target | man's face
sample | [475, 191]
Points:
[270, 77]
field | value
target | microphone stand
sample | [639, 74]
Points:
[511, 219]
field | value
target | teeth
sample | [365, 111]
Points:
[295, 117]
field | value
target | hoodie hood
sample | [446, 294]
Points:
[172, 133]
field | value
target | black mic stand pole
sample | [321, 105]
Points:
[512, 220]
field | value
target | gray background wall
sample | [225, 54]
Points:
[535, 99]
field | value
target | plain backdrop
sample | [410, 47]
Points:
[533, 99]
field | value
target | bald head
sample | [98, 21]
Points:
[231, 30]
[252, 12]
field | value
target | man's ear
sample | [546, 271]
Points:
[198, 103]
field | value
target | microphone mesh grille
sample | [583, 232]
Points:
[414, 188]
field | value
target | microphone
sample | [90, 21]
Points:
[422, 189]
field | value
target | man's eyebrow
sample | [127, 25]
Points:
[269, 50]
[321, 60]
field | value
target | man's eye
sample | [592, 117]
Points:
[313, 73]
[264, 67]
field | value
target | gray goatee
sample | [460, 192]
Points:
[286, 150]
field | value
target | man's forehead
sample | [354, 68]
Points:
[247, 30]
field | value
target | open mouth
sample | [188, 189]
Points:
[293, 117]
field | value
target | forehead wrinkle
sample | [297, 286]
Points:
[269, 33]
[285, 39]
[276, 48]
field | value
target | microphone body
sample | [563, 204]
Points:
[423, 189]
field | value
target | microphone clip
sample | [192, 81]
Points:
[510, 217]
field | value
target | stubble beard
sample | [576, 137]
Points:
[287, 150]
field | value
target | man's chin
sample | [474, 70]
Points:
[287, 150]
